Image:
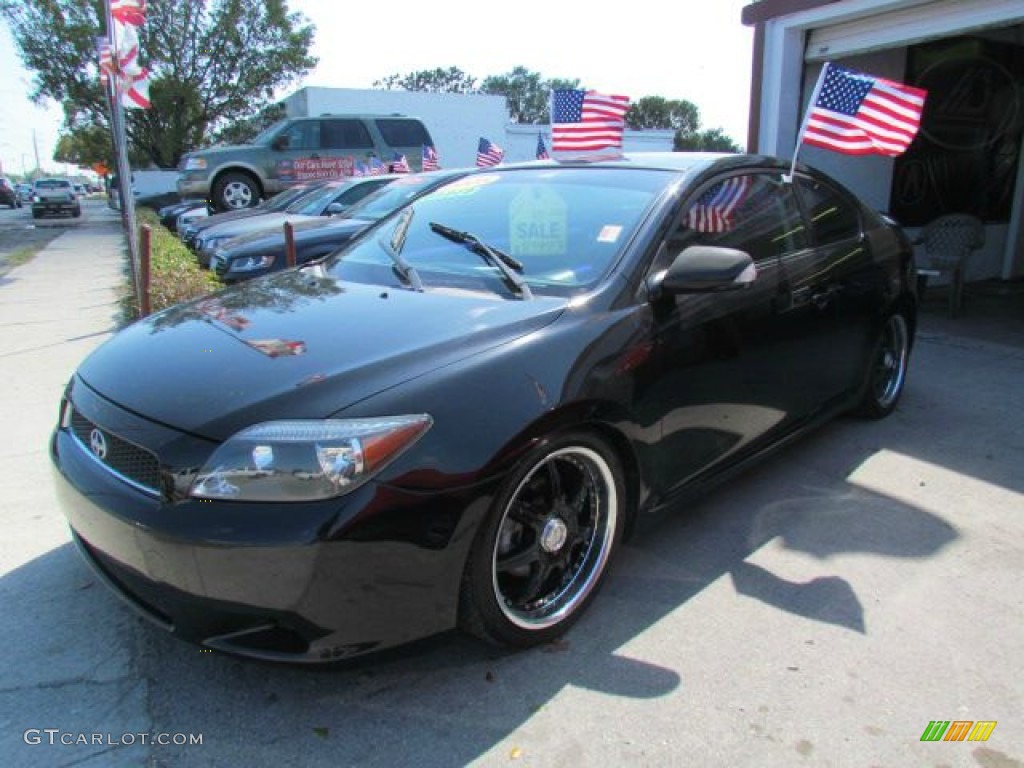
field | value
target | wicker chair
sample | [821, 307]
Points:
[947, 242]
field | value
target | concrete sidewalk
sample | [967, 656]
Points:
[819, 611]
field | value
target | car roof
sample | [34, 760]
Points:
[683, 162]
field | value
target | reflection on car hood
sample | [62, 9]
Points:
[296, 345]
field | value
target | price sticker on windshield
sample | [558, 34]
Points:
[538, 223]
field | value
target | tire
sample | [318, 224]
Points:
[235, 191]
[77, 212]
[541, 553]
[887, 372]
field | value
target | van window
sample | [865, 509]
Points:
[302, 134]
[403, 133]
[344, 134]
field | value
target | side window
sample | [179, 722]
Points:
[403, 133]
[345, 134]
[831, 216]
[756, 213]
[303, 134]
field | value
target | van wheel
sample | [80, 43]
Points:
[235, 191]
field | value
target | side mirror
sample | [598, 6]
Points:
[334, 209]
[280, 142]
[705, 269]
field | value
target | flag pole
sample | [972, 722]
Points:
[807, 119]
[124, 172]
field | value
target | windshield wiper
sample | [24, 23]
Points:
[393, 247]
[508, 266]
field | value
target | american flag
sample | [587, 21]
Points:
[135, 89]
[131, 13]
[583, 120]
[360, 169]
[377, 168]
[106, 59]
[542, 151]
[713, 211]
[430, 161]
[488, 154]
[859, 114]
[399, 164]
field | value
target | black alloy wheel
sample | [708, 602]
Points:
[541, 555]
[888, 372]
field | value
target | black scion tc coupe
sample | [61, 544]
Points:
[454, 420]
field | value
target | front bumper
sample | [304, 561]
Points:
[193, 187]
[311, 582]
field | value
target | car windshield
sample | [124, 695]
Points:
[389, 199]
[284, 200]
[267, 134]
[565, 228]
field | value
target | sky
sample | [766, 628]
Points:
[688, 49]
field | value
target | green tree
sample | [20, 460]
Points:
[527, 93]
[212, 63]
[451, 80]
[656, 112]
[708, 140]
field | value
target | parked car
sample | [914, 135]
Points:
[8, 194]
[298, 149]
[24, 190]
[279, 202]
[54, 196]
[261, 252]
[332, 198]
[456, 419]
[169, 214]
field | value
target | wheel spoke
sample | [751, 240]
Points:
[515, 560]
[554, 482]
[537, 580]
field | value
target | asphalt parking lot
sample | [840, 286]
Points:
[820, 611]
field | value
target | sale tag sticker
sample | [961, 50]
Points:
[538, 223]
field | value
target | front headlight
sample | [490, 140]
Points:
[251, 263]
[305, 460]
[195, 164]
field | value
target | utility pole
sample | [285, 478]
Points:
[35, 146]
[124, 172]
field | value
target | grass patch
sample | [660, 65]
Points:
[175, 275]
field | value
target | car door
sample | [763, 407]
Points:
[713, 387]
[828, 296]
[296, 153]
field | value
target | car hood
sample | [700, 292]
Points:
[296, 345]
[317, 230]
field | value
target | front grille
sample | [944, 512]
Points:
[131, 463]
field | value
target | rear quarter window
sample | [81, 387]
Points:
[345, 134]
[403, 133]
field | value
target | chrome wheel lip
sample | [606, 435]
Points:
[891, 363]
[564, 602]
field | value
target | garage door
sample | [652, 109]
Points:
[910, 24]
